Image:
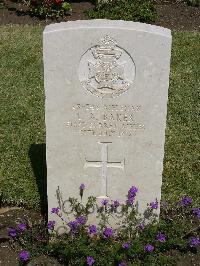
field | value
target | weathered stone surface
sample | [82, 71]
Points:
[106, 85]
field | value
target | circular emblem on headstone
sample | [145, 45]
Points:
[106, 70]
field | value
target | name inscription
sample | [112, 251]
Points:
[105, 120]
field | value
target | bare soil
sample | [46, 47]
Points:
[172, 14]
[9, 252]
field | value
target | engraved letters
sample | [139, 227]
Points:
[106, 120]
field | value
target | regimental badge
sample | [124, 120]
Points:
[106, 64]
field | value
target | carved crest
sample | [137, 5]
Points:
[105, 73]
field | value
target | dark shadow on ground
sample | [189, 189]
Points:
[37, 154]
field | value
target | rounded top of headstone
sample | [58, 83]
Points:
[101, 23]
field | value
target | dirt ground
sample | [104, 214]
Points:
[10, 217]
[172, 14]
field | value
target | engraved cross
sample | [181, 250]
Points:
[104, 164]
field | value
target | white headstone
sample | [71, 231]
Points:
[106, 85]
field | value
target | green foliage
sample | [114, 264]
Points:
[49, 8]
[193, 2]
[132, 10]
[178, 224]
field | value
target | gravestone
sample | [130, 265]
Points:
[106, 86]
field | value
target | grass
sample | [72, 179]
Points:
[22, 128]
[181, 164]
[22, 112]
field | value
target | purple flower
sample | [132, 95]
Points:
[186, 201]
[131, 195]
[122, 264]
[126, 245]
[24, 255]
[51, 225]
[130, 200]
[161, 237]
[154, 205]
[108, 232]
[92, 229]
[12, 232]
[104, 202]
[141, 226]
[82, 187]
[73, 225]
[55, 210]
[81, 220]
[132, 191]
[90, 261]
[115, 204]
[196, 211]
[149, 248]
[22, 227]
[194, 242]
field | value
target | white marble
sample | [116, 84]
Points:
[106, 86]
